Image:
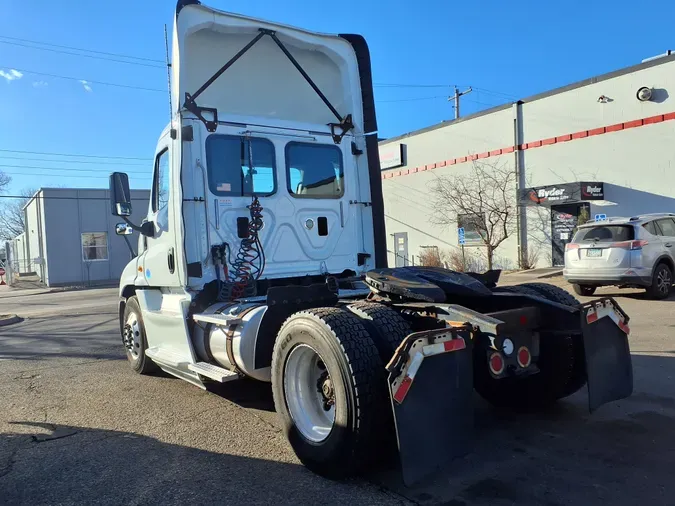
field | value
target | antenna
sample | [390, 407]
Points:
[168, 73]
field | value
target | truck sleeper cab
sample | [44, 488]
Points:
[263, 255]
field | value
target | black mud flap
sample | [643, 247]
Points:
[431, 389]
[608, 362]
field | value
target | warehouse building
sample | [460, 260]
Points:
[595, 148]
[70, 239]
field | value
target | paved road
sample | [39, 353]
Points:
[77, 426]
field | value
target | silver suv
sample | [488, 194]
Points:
[625, 252]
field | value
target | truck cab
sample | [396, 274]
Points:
[259, 111]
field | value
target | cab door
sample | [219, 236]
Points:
[160, 263]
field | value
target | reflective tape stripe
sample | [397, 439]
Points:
[447, 346]
[607, 309]
[405, 385]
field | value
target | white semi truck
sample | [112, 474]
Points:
[263, 256]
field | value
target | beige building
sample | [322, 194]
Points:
[609, 137]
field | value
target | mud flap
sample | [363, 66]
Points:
[431, 390]
[609, 368]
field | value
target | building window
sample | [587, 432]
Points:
[94, 246]
[240, 166]
[314, 170]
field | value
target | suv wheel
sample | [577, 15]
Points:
[584, 290]
[662, 282]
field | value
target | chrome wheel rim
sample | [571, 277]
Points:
[131, 335]
[309, 392]
[663, 281]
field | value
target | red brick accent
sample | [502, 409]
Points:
[522, 146]
[534, 144]
[452, 162]
[580, 135]
[510, 149]
[596, 131]
[430, 166]
[547, 142]
[564, 138]
[473, 157]
[670, 115]
[653, 119]
[483, 155]
[632, 124]
[614, 128]
[495, 152]
[461, 159]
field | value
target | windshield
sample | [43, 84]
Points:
[605, 233]
[240, 166]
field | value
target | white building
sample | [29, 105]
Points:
[70, 237]
[609, 137]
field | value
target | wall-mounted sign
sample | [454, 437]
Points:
[391, 155]
[565, 193]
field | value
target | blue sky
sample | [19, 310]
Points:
[504, 49]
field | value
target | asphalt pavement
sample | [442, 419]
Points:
[78, 426]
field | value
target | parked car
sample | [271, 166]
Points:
[637, 252]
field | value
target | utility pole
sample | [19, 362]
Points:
[456, 99]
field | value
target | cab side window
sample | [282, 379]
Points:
[160, 190]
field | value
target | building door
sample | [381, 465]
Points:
[564, 220]
[401, 248]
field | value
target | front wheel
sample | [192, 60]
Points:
[662, 282]
[134, 339]
[329, 390]
[584, 290]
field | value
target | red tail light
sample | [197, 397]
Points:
[570, 246]
[630, 245]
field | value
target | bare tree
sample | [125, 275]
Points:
[5, 179]
[485, 197]
[12, 218]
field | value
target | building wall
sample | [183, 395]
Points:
[564, 136]
[67, 213]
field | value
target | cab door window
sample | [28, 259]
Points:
[160, 189]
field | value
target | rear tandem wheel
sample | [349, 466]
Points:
[328, 384]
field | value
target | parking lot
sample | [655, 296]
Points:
[78, 426]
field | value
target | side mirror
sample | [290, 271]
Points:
[123, 229]
[120, 195]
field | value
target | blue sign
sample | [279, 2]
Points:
[600, 217]
[462, 241]
[460, 235]
[460, 231]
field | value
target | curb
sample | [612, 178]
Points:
[9, 320]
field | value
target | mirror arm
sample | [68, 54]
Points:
[131, 249]
[147, 229]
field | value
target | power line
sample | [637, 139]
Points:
[55, 197]
[73, 155]
[81, 54]
[81, 49]
[97, 162]
[390, 85]
[413, 99]
[64, 175]
[63, 168]
[79, 79]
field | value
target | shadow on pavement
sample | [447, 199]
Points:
[61, 464]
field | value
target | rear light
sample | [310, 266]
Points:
[630, 245]
[496, 363]
[570, 246]
[524, 357]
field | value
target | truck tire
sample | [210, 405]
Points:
[386, 327]
[516, 289]
[561, 364]
[328, 386]
[134, 338]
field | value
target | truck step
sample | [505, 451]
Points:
[213, 372]
[216, 319]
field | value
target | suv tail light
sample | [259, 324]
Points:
[630, 245]
[571, 246]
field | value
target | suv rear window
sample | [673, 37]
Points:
[605, 233]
